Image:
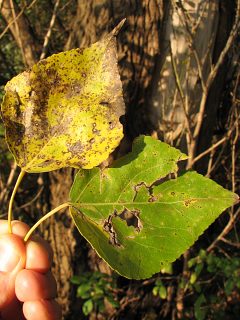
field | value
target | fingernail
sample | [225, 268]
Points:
[9, 258]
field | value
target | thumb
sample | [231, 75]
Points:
[12, 260]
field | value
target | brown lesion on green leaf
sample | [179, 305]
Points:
[152, 198]
[148, 195]
[132, 218]
[189, 202]
[108, 227]
[138, 187]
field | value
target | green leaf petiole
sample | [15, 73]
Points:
[45, 217]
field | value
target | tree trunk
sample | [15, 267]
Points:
[166, 55]
[21, 31]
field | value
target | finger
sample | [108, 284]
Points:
[42, 310]
[12, 260]
[12, 311]
[45, 244]
[32, 285]
[18, 228]
[38, 255]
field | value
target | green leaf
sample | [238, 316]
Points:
[168, 269]
[75, 280]
[64, 111]
[137, 225]
[199, 310]
[193, 278]
[228, 286]
[83, 290]
[162, 292]
[87, 307]
[155, 291]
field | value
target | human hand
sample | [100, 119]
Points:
[27, 287]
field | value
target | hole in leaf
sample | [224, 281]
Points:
[132, 219]
[108, 227]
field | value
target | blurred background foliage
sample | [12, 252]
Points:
[179, 64]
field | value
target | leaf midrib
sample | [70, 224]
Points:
[92, 204]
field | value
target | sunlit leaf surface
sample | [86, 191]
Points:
[138, 223]
[65, 110]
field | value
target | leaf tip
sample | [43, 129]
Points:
[116, 30]
[183, 157]
[236, 199]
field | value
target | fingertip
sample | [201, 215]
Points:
[32, 285]
[12, 260]
[19, 228]
[38, 256]
[42, 310]
[12, 253]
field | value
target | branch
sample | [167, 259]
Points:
[209, 82]
[215, 69]
[21, 30]
[16, 18]
[225, 231]
[49, 32]
[214, 146]
[180, 90]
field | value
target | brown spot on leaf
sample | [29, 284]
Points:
[108, 227]
[76, 148]
[189, 202]
[132, 218]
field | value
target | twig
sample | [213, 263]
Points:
[210, 162]
[49, 32]
[233, 244]
[17, 17]
[209, 82]
[191, 46]
[33, 200]
[178, 83]
[217, 161]
[18, 31]
[9, 182]
[214, 71]
[225, 231]
[235, 140]
[214, 146]
[181, 290]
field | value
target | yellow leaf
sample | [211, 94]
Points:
[65, 110]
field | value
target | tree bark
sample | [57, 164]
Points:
[166, 53]
[21, 31]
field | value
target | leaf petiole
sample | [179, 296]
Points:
[46, 216]
[19, 179]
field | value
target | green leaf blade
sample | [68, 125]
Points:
[144, 229]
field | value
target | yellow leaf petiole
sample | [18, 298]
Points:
[46, 216]
[19, 179]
